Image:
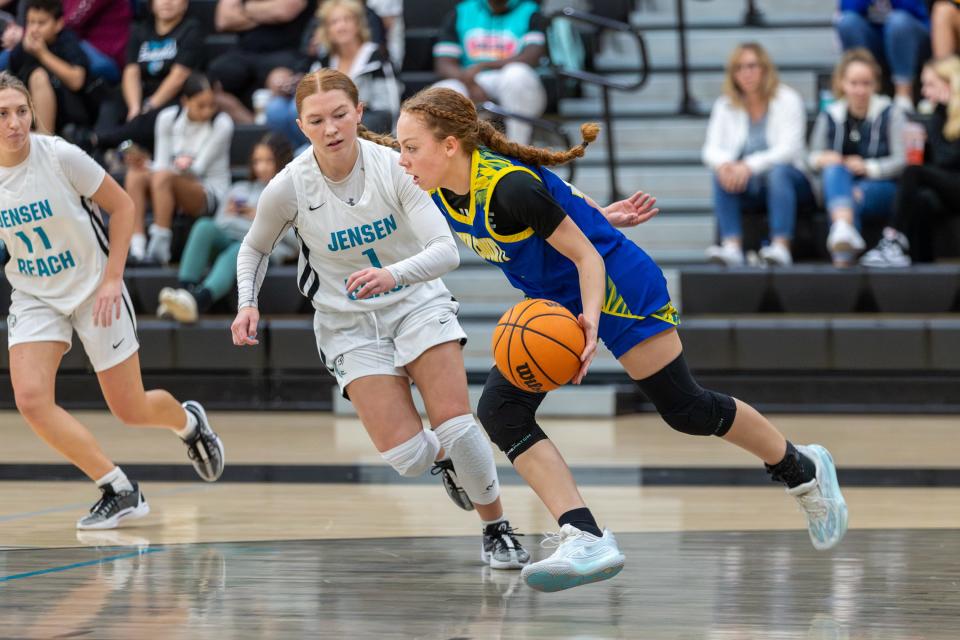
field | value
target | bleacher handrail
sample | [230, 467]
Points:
[604, 24]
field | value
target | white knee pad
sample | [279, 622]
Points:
[472, 458]
[414, 456]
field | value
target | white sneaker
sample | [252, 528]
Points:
[138, 247]
[821, 500]
[776, 255]
[844, 242]
[893, 250]
[580, 558]
[163, 313]
[905, 103]
[179, 303]
[158, 247]
[729, 255]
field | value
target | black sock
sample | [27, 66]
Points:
[795, 468]
[582, 519]
[204, 299]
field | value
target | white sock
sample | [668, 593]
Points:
[487, 523]
[117, 479]
[159, 246]
[138, 246]
[190, 428]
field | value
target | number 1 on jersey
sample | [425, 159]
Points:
[372, 255]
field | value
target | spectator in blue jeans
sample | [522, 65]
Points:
[857, 145]
[754, 145]
[897, 33]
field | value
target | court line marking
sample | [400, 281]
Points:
[84, 505]
[76, 565]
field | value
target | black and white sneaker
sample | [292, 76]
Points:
[893, 250]
[204, 447]
[114, 507]
[501, 549]
[444, 469]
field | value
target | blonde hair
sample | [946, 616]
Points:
[10, 81]
[850, 57]
[354, 7]
[448, 113]
[771, 79]
[333, 80]
[949, 70]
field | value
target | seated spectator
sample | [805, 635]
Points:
[754, 146]
[104, 29]
[489, 50]
[897, 33]
[51, 62]
[208, 267]
[162, 52]
[857, 146]
[102, 25]
[190, 170]
[344, 35]
[930, 191]
[269, 32]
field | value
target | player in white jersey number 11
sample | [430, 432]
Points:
[66, 270]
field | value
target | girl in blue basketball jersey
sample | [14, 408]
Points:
[553, 242]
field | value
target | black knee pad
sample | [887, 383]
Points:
[685, 405]
[508, 415]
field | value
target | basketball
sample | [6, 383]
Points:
[537, 345]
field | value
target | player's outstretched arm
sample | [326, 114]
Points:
[630, 212]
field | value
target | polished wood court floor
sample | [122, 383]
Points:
[376, 557]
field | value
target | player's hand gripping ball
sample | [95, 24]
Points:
[537, 345]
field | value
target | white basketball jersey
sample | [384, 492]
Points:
[337, 239]
[57, 239]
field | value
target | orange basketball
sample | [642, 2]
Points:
[537, 345]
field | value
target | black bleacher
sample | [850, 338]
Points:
[928, 289]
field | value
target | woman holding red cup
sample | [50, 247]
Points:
[929, 190]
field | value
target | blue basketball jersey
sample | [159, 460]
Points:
[635, 290]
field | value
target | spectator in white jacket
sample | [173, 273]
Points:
[755, 147]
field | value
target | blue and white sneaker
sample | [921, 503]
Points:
[821, 500]
[580, 558]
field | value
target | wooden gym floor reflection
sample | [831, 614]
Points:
[385, 559]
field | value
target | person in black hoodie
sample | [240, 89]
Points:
[931, 191]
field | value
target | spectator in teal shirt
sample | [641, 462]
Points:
[488, 50]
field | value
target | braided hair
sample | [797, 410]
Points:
[448, 113]
[333, 80]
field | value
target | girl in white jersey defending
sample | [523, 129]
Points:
[67, 276]
[372, 248]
